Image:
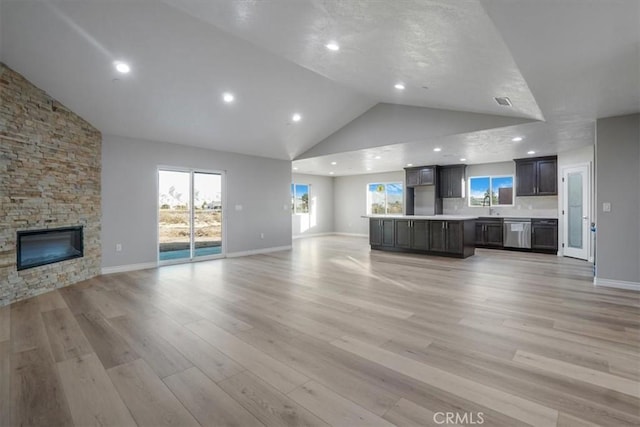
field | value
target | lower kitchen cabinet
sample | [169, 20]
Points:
[381, 232]
[446, 236]
[403, 233]
[489, 232]
[449, 238]
[412, 234]
[420, 235]
[544, 235]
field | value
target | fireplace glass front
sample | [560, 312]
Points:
[40, 247]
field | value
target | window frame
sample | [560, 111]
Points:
[294, 209]
[386, 203]
[491, 178]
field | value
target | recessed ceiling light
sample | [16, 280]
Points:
[122, 67]
[399, 86]
[368, 169]
[228, 97]
[296, 117]
[409, 164]
[334, 163]
[330, 173]
[531, 152]
[437, 149]
[517, 139]
[332, 46]
[463, 159]
[377, 157]
[295, 168]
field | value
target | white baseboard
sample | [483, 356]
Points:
[304, 236]
[259, 251]
[331, 233]
[351, 235]
[619, 284]
[128, 267]
[147, 265]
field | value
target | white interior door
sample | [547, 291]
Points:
[577, 226]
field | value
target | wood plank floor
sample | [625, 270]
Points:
[327, 334]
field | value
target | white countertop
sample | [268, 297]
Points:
[431, 217]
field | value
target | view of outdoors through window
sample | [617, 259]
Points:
[490, 190]
[384, 198]
[299, 198]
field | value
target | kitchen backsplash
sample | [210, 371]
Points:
[535, 207]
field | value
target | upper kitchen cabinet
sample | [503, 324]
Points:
[424, 175]
[537, 176]
[451, 181]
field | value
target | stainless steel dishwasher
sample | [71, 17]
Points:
[517, 233]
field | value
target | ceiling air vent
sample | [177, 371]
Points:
[503, 100]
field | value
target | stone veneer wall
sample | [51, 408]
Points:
[50, 161]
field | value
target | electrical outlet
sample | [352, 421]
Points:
[606, 207]
[238, 207]
[118, 247]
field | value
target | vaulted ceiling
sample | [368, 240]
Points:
[562, 63]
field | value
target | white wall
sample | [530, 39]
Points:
[618, 183]
[129, 197]
[567, 159]
[319, 220]
[538, 206]
[350, 200]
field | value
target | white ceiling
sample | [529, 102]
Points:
[180, 68]
[451, 47]
[567, 62]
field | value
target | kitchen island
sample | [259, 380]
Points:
[444, 235]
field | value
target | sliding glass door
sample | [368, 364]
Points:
[207, 214]
[189, 215]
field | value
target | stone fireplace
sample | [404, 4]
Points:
[50, 165]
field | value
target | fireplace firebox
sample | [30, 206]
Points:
[41, 247]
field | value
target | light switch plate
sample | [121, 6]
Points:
[606, 207]
[238, 207]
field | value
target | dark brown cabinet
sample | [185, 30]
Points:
[381, 232]
[420, 176]
[489, 232]
[451, 181]
[411, 234]
[403, 233]
[544, 235]
[537, 176]
[446, 236]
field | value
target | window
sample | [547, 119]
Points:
[384, 198]
[491, 191]
[300, 198]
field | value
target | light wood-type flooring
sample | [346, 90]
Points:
[327, 334]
